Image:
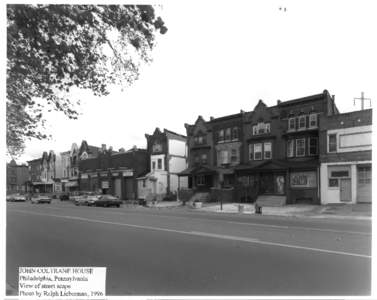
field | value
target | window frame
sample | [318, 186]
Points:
[228, 135]
[315, 115]
[297, 148]
[235, 137]
[292, 141]
[233, 156]
[200, 180]
[290, 128]
[314, 138]
[333, 143]
[302, 117]
[221, 136]
[251, 151]
[159, 163]
[204, 158]
[261, 151]
[264, 150]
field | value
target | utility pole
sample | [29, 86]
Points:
[362, 99]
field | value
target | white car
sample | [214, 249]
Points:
[35, 199]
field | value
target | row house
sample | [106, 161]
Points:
[42, 173]
[346, 157]
[17, 177]
[167, 153]
[113, 172]
[267, 151]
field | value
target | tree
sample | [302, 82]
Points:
[53, 48]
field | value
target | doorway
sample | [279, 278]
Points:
[345, 190]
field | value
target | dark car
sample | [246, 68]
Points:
[106, 201]
[64, 196]
[41, 198]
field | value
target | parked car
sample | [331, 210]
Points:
[107, 200]
[40, 198]
[64, 196]
[92, 198]
[20, 198]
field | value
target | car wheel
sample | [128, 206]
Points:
[118, 205]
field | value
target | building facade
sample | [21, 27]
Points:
[113, 173]
[69, 161]
[167, 152]
[267, 151]
[17, 177]
[42, 173]
[346, 157]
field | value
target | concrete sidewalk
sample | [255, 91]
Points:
[345, 211]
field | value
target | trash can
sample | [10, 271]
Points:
[258, 209]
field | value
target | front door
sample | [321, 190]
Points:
[129, 188]
[266, 184]
[345, 190]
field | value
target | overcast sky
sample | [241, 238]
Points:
[220, 57]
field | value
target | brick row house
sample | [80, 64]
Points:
[17, 177]
[346, 157]
[113, 172]
[267, 151]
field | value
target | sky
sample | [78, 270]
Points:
[219, 57]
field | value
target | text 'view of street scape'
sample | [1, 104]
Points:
[181, 252]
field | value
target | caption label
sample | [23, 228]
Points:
[51, 282]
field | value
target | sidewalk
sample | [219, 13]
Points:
[344, 211]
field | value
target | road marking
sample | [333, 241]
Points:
[198, 233]
[302, 228]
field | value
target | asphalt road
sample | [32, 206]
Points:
[178, 252]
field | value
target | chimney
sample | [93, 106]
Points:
[211, 118]
[110, 148]
[121, 150]
[242, 111]
[279, 101]
[103, 147]
[134, 148]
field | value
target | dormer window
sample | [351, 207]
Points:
[292, 124]
[235, 134]
[221, 136]
[228, 134]
[301, 122]
[313, 120]
[261, 128]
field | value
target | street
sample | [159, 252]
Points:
[182, 252]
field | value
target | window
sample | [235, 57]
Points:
[261, 128]
[200, 180]
[291, 123]
[153, 165]
[290, 148]
[227, 134]
[235, 133]
[251, 152]
[300, 147]
[313, 120]
[224, 157]
[204, 158]
[257, 151]
[301, 122]
[333, 182]
[255, 130]
[234, 156]
[267, 151]
[332, 143]
[364, 175]
[199, 139]
[159, 163]
[221, 136]
[313, 146]
[196, 159]
[144, 185]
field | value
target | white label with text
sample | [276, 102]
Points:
[62, 282]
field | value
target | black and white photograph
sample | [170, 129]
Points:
[188, 149]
